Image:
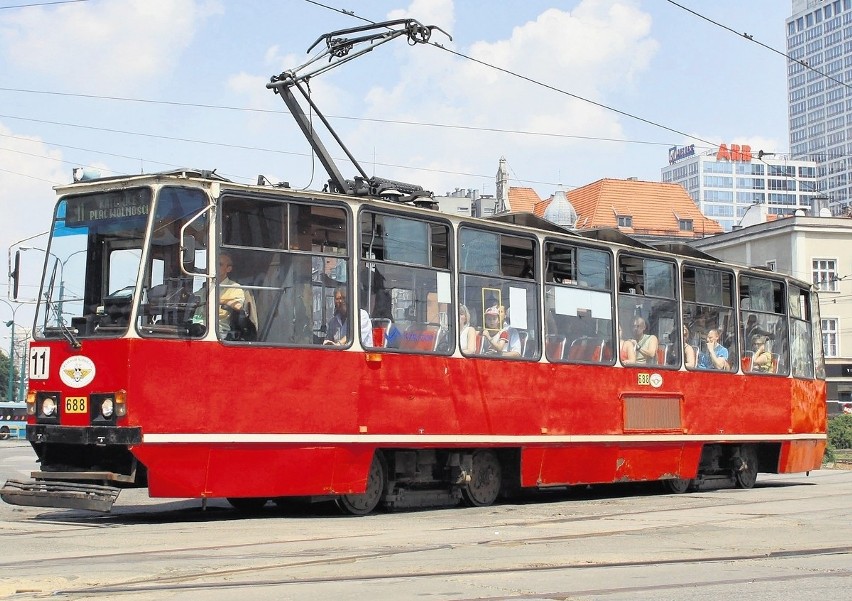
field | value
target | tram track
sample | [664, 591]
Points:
[181, 583]
[118, 521]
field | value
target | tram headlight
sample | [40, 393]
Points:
[48, 407]
[107, 407]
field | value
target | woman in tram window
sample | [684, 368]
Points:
[761, 360]
[688, 351]
[467, 333]
[626, 348]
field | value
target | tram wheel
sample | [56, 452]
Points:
[485, 479]
[745, 468]
[364, 503]
[677, 486]
[247, 504]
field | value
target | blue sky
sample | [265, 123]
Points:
[648, 58]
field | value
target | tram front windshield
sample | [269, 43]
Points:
[93, 264]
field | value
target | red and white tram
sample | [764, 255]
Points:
[588, 361]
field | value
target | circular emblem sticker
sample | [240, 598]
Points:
[656, 380]
[77, 372]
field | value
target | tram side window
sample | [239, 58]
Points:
[647, 311]
[172, 303]
[288, 261]
[801, 335]
[578, 304]
[764, 321]
[709, 333]
[404, 283]
[499, 291]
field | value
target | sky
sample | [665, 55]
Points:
[601, 89]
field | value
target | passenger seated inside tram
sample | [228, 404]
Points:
[338, 330]
[467, 333]
[501, 338]
[712, 354]
[761, 359]
[644, 344]
[626, 348]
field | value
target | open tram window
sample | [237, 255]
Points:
[801, 335]
[763, 315]
[709, 333]
[578, 304]
[404, 283]
[499, 291]
[647, 311]
[289, 261]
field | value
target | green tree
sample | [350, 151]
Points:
[4, 376]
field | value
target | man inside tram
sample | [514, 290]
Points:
[338, 329]
[237, 315]
[712, 354]
[645, 344]
[502, 338]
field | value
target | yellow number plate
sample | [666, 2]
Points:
[76, 404]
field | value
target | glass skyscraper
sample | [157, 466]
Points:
[819, 42]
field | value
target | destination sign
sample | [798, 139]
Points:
[107, 206]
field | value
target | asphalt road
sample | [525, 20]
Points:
[788, 538]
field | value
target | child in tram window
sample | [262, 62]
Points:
[506, 341]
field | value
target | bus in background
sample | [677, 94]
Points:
[13, 420]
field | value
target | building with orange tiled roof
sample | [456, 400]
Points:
[637, 209]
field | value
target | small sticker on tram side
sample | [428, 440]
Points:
[77, 372]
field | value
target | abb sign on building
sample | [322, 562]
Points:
[736, 153]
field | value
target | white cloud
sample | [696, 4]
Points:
[26, 196]
[103, 46]
[598, 47]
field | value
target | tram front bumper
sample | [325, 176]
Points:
[93, 435]
[64, 495]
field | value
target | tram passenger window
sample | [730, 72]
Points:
[404, 283]
[289, 258]
[578, 304]
[763, 308]
[647, 309]
[498, 287]
[708, 319]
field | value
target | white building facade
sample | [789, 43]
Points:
[814, 249]
[819, 42]
[724, 182]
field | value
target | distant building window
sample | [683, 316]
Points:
[829, 337]
[770, 265]
[825, 274]
[625, 221]
[685, 225]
